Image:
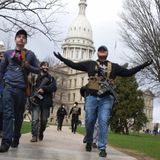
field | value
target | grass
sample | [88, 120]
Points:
[148, 145]
[26, 127]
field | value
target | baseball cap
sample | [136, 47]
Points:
[23, 32]
[102, 48]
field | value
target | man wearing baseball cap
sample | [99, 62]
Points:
[14, 69]
[99, 99]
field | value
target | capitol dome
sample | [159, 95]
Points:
[78, 45]
[80, 28]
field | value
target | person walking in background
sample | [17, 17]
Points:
[61, 113]
[1, 93]
[99, 95]
[75, 112]
[14, 69]
[42, 100]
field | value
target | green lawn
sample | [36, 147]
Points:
[149, 145]
[26, 127]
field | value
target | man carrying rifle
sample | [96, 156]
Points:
[42, 101]
[99, 100]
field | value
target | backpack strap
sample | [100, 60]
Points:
[28, 78]
[108, 69]
[23, 55]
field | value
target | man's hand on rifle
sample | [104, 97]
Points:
[40, 90]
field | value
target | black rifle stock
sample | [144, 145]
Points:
[105, 83]
[36, 94]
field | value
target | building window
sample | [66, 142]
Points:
[81, 98]
[90, 54]
[72, 54]
[70, 83]
[69, 97]
[77, 53]
[75, 82]
[82, 81]
[74, 96]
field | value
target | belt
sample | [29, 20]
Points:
[96, 95]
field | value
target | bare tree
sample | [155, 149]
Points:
[32, 15]
[140, 30]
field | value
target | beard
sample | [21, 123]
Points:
[44, 70]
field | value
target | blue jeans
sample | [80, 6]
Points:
[98, 107]
[40, 114]
[14, 100]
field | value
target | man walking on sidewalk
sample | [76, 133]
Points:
[75, 112]
[14, 69]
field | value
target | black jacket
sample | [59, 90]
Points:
[61, 113]
[89, 67]
[49, 88]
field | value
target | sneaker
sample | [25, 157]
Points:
[4, 148]
[41, 136]
[34, 139]
[102, 153]
[88, 147]
[15, 143]
[94, 145]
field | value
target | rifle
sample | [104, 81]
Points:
[105, 86]
[36, 96]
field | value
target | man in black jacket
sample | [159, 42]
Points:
[42, 101]
[99, 97]
[75, 112]
[61, 113]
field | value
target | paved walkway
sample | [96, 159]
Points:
[56, 145]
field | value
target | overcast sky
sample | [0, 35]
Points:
[103, 17]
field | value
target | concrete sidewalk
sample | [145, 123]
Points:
[58, 145]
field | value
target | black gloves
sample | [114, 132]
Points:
[58, 55]
[147, 63]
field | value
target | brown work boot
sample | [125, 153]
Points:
[34, 139]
